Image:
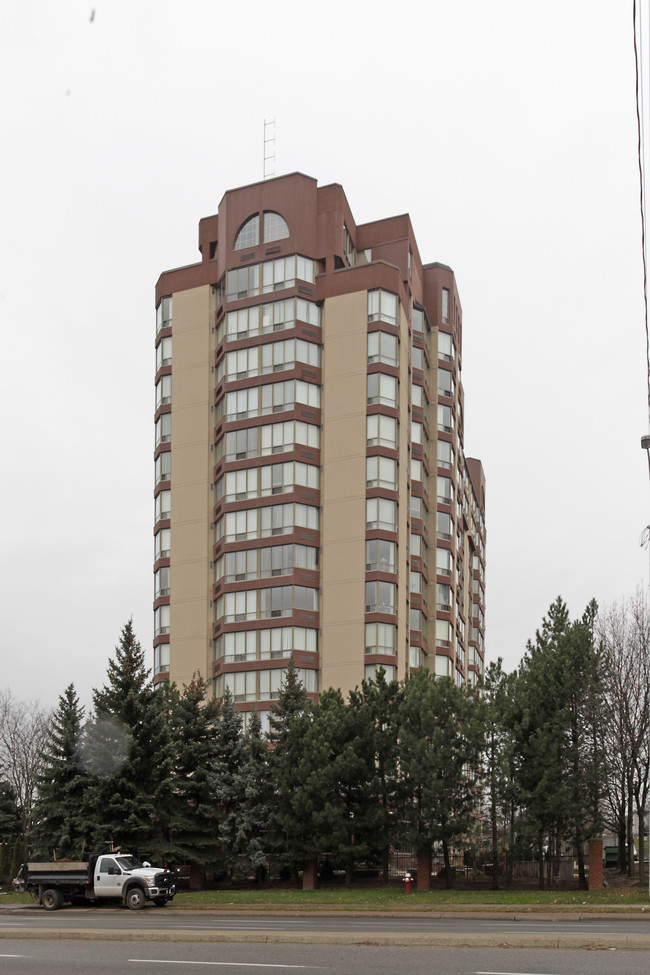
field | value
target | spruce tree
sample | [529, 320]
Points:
[290, 821]
[9, 812]
[128, 750]
[192, 821]
[378, 701]
[58, 814]
[228, 782]
[258, 798]
[441, 737]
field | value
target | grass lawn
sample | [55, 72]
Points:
[395, 899]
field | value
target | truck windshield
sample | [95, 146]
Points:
[129, 863]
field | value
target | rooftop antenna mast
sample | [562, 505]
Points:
[269, 148]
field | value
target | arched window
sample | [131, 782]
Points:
[275, 226]
[248, 234]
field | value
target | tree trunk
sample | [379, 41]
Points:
[495, 848]
[630, 832]
[640, 810]
[448, 874]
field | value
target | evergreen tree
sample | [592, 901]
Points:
[192, 821]
[557, 734]
[441, 736]
[379, 702]
[19, 856]
[290, 820]
[6, 848]
[128, 751]
[9, 812]
[62, 784]
[340, 783]
[499, 769]
[228, 781]
[258, 798]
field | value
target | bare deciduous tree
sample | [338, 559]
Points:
[23, 733]
[625, 634]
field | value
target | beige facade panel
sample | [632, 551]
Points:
[190, 625]
[343, 492]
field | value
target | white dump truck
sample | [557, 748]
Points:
[105, 876]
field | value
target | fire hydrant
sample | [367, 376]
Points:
[407, 881]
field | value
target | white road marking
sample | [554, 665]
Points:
[231, 964]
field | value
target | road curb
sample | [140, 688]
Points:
[630, 942]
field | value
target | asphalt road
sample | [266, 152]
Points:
[36, 957]
[484, 929]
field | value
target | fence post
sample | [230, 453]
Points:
[596, 864]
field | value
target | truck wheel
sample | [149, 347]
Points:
[135, 899]
[160, 901]
[52, 899]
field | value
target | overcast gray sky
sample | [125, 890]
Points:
[506, 129]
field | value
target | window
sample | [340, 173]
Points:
[242, 685]
[240, 606]
[381, 514]
[164, 352]
[248, 234]
[381, 638]
[444, 562]
[416, 658]
[241, 364]
[284, 271]
[382, 347]
[380, 555]
[443, 597]
[161, 658]
[445, 421]
[163, 505]
[416, 582]
[417, 319]
[445, 526]
[445, 489]
[445, 306]
[380, 597]
[443, 633]
[417, 396]
[243, 282]
[382, 306]
[445, 347]
[382, 389]
[416, 432]
[445, 454]
[163, 391]
[416, 470]
[162, 544]
[161, 620]
[416, 507]
[381, 431]
[241, 444]
[370, 672]
[381, 472]
[163, 466]
[280, 478]
[237, 526]
[277, 397]
[242, 403]
[237, 485]
[416, 619]
[277, 356]
[240, 566]
[161, 582]
[444, 666]
[417, 358]
[164, 314]
[275, 227]
[348, 246]
[445, 382]
[416, 545]
[163, 428]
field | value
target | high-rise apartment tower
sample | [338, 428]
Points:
[312, 495]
